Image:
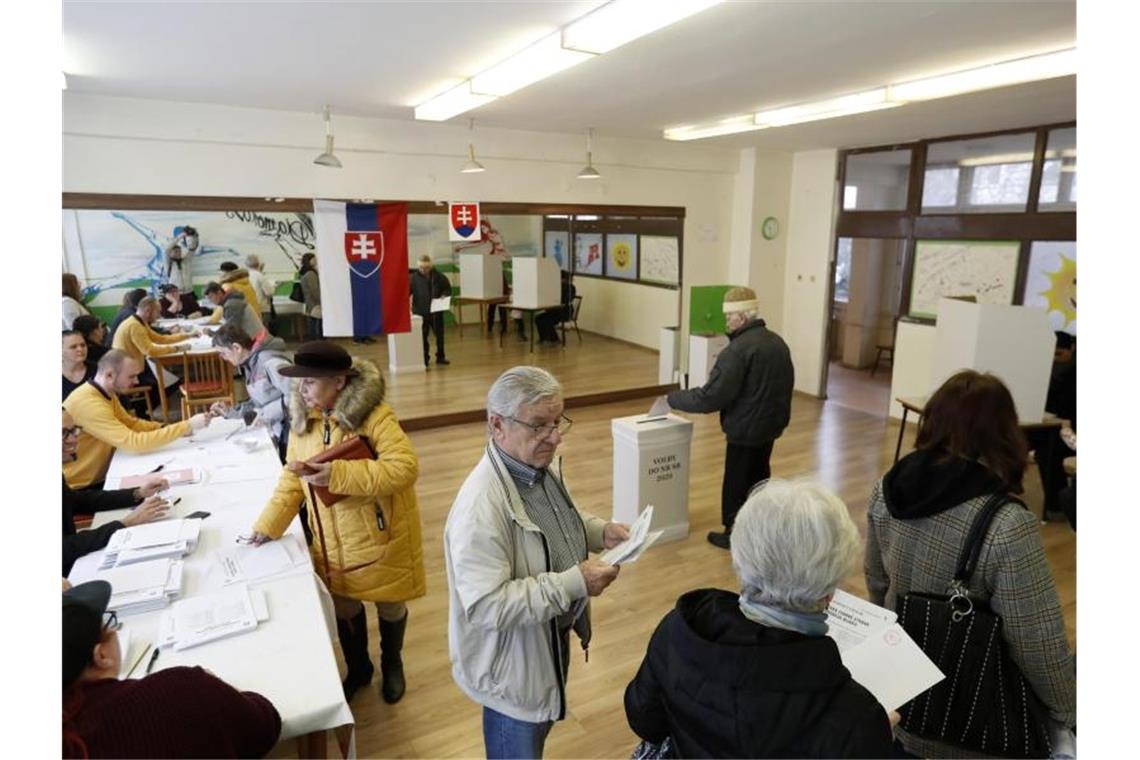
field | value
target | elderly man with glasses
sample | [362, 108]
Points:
[518, 568]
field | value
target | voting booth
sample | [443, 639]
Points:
[406, 350]
[669, 341]
[535, 282]
[703, 350]
[480, 275]
[1013, 342]
[651, 466]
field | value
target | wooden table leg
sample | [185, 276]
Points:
[902, 429]
[162, 391]
[314, 744]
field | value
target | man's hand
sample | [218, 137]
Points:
[150, 510]
[614, 533]
[66, 584]
[318, 474]
[151, 486]
[598, 575]
[218, 409]
[199, 422]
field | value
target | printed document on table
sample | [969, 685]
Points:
[850, 620]
[441, 304]
[248, 563]
[891, 666]
[640, 538]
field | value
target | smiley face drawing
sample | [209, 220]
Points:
[1062, 292]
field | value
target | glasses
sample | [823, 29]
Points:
[70, 431]
[111, 621]
[562, 425]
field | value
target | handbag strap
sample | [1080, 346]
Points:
[972, 549]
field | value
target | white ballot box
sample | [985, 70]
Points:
[1013, 342]
[703, 350]
[406, 350]
[670, 353]
[651, 466]
[535, 282]
[480, 275]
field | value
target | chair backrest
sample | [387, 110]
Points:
[577, 304]
[207, 370]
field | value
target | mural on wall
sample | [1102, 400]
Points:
[1051, 283]
[621, 256]
[986, 270]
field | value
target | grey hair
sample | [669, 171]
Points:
[252, 261]
[520, 386]
[792, 543]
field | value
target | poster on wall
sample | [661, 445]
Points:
[588, 253]
[1051, 283]
[507, 236]
[557, 247]
[464, 221]
[660, 260]
[621, 256]
[986, 270]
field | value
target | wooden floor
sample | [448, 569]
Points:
[856, 389]
[846, 449]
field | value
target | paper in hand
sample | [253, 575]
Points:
[640, 539]
[441, 304]
[660, 407]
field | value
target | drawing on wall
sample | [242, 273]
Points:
[588, 253]
[558, 248]
[1051, 283]
[660, 260]
[507, 236]
[986, 270]
[621, 256]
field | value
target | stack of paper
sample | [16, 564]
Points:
[640, 539]
[229, 612]
[173, 477]
[248, 563]
[143, 543]
[141, 587]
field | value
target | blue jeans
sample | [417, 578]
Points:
[505, 737]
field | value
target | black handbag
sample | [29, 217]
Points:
[297, 293]
[984, 704]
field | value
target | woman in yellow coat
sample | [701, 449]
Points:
[371, 537]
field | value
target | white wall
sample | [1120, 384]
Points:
[127, 145]
[619, 309]
[809, 253]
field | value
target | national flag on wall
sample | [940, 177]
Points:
[362, 255]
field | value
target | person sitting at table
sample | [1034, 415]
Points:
[367, 547]
[175, 712]
[753, 673]
[230, 307]
[260, 363]
[87, 502]
[546, 322]
[107, 426]
[72, 300]
[94, 332]
[1049, 451]
[136, 337]
[76, 368]
[178, 305]
[234, 277]
[130, 305]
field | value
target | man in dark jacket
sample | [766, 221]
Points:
[428, 283]
[751, 386]
[1061, 399]
[547, 322]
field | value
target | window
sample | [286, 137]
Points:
[940, 187]
[1059, 178]
[879, 180]
[850, 196]
[981, 175]
[1000, 184]
[843, 270]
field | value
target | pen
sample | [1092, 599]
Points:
[175, 502]
[139, 659]
[156, 469]
[153, 659]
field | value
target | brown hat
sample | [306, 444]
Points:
[320, 358]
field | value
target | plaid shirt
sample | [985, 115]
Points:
[1012, 574]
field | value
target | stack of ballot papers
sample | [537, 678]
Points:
[180, 477]
[192, 622]
[138, 587]
[150, 541]
[640, 539]
[878, 652]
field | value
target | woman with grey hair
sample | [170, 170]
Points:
[753, 674]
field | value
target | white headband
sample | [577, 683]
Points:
[734, 306]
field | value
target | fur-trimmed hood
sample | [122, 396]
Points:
[360, 396]
[235, 275]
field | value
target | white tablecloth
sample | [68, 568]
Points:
[289, 658]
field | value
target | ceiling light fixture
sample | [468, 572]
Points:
[542, 59]
[472, 166]
[327, 158]
[730, 126]
[588, 171]
[1031, 69]
[621, 21]
[845, 105]
[451, 103]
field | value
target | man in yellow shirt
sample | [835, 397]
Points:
[235, 278]
[138, 339]
[107, 426]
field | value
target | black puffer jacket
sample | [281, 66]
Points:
[750, 385]
[723, 686]
[424, 289]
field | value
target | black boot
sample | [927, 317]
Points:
[353, 635]
[391, 666]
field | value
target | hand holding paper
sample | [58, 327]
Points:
[640, 538]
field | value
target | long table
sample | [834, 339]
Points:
[289, 658]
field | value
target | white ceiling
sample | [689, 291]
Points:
[381, 59]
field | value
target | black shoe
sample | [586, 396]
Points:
[427, 361]
[442, 360]
[353, 635]
[720, 540]
[392, 685]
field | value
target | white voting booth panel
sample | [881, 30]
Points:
[535, 282]
[703, 350]
[406, 350]
[651, 466]
[1013, 342]
[480, 275]
[669, 354]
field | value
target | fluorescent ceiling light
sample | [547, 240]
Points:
[861, 102]
[1048, 66]
[542, 59]
[451, 103]
[622, 21]
[729, 126]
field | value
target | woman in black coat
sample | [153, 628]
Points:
[753, 674]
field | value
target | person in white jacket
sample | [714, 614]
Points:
[518, 568]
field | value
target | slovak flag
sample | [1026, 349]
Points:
[362, 255]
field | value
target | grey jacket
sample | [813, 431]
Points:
[235, 309]
[311, 288]
[268, 389]
[750, 385]
[504, 600]
[1012, 575]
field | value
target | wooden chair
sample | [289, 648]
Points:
[206, 378]
[140, 390]
[886, 348]
[576, 306]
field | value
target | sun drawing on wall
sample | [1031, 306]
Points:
[1062, 292]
